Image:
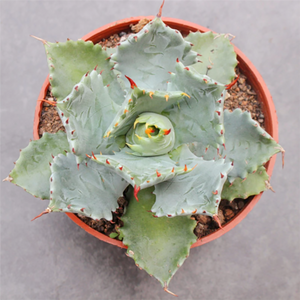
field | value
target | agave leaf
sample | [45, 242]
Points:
[141, 172]
[253, 185]
[142, 143]
[198, 192]
[140, 101]
[86, 113]
[158, 245]
[149, 55]
[70, 60]
[199, 118]
[248, 146]
[110, 51]
[91, 190]
[32, 171]
[218, 59]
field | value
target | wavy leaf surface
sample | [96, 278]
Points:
[140, 171]
[140, 101]
[32, 171]
[218, 59]
[86, 113]
[254, 184]
[198, 192]
[158, 245]
[149, 55]
[199, 118]
[91, 189]
[248, 146]
[70, 60]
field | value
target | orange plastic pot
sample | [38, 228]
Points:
[246, 67]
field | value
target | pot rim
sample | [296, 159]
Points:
[247, 68]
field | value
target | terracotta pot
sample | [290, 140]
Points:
[246, 67]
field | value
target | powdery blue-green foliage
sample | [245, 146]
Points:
[149, 117]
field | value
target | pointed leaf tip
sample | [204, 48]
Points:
[47, 101]
[160, 9]
[230, 85]
[169, 292]
[268, 186]
[8, 178]
[217, 220]
[46, 211]
[132, 83]
[167, 131]
[94, 157]
[39, 39]
[282, 155]
[136, 191]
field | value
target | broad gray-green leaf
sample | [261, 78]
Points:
[158, 245]
[139, 171]
[86, 114]
[32, 171]
[198, 192]
[149, 55]
[254, 184]
[218, 59]
[91, 190]
[140, 101]
[248, 146]
[199, 118]
[70, 60]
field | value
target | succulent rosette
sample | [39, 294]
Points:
[147, 114]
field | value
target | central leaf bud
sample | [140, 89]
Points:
[150, 135]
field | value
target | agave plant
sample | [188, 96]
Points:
[147, 115]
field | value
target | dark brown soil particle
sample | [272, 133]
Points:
[139, 26]
[49, 119]
[227, 210]
[111, 42]
[241, 95]
[104, 226]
